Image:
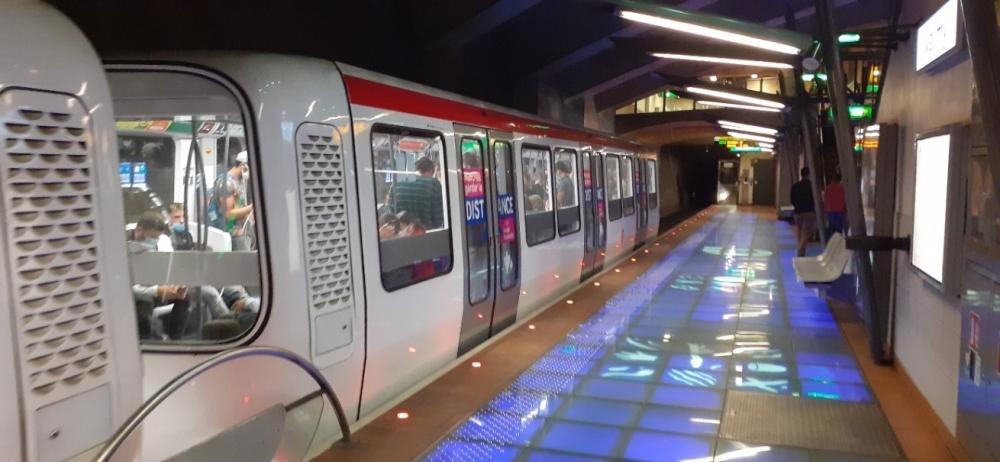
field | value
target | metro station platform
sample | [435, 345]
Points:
[703, 347]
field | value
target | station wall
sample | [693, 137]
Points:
[927, 324]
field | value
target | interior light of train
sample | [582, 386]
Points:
[748, 127]
[849, 37]
[751, 137]
[736, 97]
[710, 32]
[721, 60]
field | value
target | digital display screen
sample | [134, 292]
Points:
[938, 35]
[930, 205]
[125, 172]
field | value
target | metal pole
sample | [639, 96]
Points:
[855, 212]
[808, 145]
[984, 48]
[172, 386]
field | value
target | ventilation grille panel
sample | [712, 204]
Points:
[48, 192]
[324, 217]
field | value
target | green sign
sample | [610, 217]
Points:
[746, 149]
[849, 37]
[856, 111]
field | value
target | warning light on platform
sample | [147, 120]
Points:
[618, 270]
[531, 326]
[633, 258]
[597, 284]
[412, 350]
[849, 37]
[569, 302]
[402, 415]
[477, 364]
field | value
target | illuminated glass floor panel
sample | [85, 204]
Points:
[646, 377]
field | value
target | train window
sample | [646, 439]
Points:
[612, 180]
[477, 235]
[187, 177]
[411, 205]
[506, 216]
[539, 219]
[568, 214]
[651, 180]
[628, 195]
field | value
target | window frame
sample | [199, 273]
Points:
[572, 211]
[524, 210]
[252, 141]
[390, 129]
[613, 204]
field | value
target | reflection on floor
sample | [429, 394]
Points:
[669, 368]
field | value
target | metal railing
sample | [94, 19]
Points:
[163, 393]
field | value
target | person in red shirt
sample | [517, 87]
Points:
[836, 205]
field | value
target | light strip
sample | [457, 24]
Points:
[737, 106]
[721, 60]
[747, 136]
[735, 97]
[748, 127]
[710, 32]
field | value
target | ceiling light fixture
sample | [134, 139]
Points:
[710, 32]
[713, 78]
[747, 136]
[736, 97]
[721, 60]
[754, 76]
[748, 127]
[737, 106]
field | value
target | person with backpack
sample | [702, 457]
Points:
[227, 208]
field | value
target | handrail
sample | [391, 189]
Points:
[164, 392]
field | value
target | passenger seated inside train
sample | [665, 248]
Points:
[204, 302]
[420, 197]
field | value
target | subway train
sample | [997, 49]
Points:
[159, 209]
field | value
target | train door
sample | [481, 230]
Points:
[641, 202]
[600, 223]
[507, 286]
[476, 237]
[589, 218]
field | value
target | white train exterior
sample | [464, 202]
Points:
[327, 145]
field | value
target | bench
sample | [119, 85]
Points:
[828, 266]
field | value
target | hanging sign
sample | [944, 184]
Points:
[937, 38]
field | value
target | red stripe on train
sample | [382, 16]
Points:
[382, 96]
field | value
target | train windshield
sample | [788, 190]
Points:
[191, 234]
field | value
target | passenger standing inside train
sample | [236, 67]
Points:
[420, 197]
[565, 194]
[805, 211]
[836, 205]
[227, 208]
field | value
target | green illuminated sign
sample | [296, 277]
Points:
[811, 77]
[746, 149]
[849, 38]
[856, 111]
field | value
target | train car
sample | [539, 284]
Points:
[379, 228]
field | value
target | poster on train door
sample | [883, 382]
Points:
[475, 196]
[505, 218]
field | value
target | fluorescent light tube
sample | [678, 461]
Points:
[747, 136]
[720, 60]
[710, 32]
[748, 128]
[735, 97]
[737, 106]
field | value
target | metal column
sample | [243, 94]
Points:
[855, 213]
[984, 48]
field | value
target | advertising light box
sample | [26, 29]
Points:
[938, 38]
[938, 208]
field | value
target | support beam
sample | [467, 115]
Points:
[809, 148]
[874, 314]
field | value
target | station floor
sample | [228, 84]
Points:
[707, 350]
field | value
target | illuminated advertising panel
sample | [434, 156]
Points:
[938, 36]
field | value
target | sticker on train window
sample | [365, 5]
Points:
[507, 218]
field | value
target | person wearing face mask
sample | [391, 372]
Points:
[180, 236]
[228, 209]
[204, 301]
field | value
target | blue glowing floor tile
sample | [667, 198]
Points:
[545, 382]
[511, 429]
[649, 446]
[614, 389]
[637, 355]
[451, 450]
[520, 402]
[830, 374]
[693, 378]
[812, 324]
[647, 331]
[627, 371]
[699, 362]
[600, 411]
[762, 384]
[761, 368]
[750, 452]
[574, 437]
[713, 317]
[836, 391]
[563, 365]
[680, 420]
[698, 398]
[545, 456]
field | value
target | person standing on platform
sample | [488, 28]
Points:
[836, 206]
[805, 211]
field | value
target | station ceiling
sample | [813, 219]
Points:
[499, 51]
